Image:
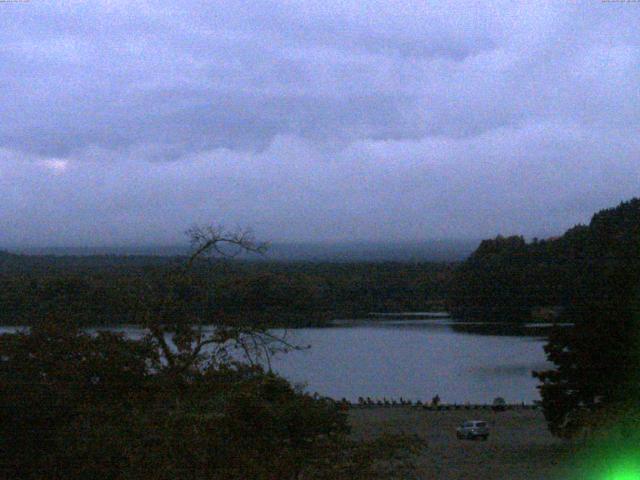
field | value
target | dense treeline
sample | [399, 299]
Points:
[595, 383]
[104, 290]
[589, 278]
[508, 279]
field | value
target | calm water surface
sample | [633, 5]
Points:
[413, 359]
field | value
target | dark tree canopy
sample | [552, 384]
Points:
[178, 403]
[102, 290]
[588, 277]
[77, 406]
[598, 360]
[508, 279]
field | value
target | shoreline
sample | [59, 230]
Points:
[441, 407]
[519, 446]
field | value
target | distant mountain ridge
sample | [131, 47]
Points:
[424, 251]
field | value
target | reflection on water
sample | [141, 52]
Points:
[413, 359]
[539, 330]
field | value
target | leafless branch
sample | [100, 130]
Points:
[192, 346]
[208, 241]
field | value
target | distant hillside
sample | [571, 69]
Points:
[425, 251]
[508, 279]
[11, 263]
[111, 289]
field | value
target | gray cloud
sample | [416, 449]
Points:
[312, 120]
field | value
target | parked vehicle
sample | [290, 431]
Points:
[473, 429]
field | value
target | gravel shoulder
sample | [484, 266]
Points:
[519, 446]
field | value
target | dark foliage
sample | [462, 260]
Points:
[106, 291]
[508, 279]
[81, 406]
[174, 404]
[589, 277]
[598, 359]
[77, 406]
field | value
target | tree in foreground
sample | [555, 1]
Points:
[179, 403]
[595, 384]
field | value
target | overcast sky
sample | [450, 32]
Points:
[127, 122]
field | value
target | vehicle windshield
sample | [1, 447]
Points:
[481, 424]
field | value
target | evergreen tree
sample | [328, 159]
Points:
[595, 380]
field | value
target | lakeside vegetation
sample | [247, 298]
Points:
[589, 278]
[106, 290]
[509, 279]
[200, 409]
[175, 403]
[506, 279]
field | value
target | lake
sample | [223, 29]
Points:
[413, 359]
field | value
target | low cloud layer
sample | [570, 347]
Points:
[126, 123]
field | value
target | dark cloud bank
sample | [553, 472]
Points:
[125, 123]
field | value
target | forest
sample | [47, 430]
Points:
[589, 278]
[509, 279]
[506, 279]
[107, 290]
